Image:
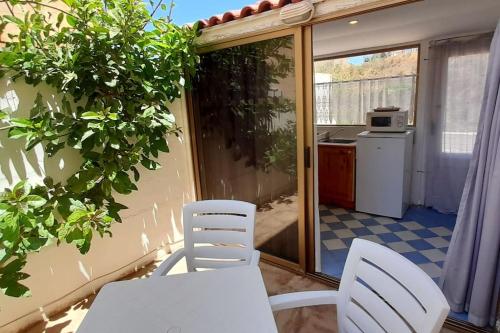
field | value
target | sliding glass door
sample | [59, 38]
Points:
[247, 118]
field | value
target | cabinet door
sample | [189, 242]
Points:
[338, 160]
[336, 176]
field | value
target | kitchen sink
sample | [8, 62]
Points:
[343, 141]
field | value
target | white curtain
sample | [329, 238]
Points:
[471, 273]
[458, 75]
[347, 102]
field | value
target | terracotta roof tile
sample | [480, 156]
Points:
[256, 8]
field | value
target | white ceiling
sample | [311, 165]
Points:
[408, 23]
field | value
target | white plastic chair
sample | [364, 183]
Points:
[380, 291]
[217, 234]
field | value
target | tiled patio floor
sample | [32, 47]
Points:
[422, 236]
[319, 319]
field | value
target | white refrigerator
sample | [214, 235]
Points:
[383, 173]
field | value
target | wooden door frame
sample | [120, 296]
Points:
[297, 34]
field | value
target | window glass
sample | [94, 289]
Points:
[244, 104]
[465, 80]
[349, 87]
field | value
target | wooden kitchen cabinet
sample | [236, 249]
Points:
[336, 175]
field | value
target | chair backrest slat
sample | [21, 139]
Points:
[387, 318]
[220, 252]
[208, 236]
[216, 264]
[362, 319]
[382, 291]
[351, 327]
[218, 233]
[392, 292]
[219, 221]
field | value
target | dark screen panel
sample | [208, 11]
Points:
[244, 105]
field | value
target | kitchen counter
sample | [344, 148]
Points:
[352, 144]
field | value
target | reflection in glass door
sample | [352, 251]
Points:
[244, 105]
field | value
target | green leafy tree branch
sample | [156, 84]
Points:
[117, 69]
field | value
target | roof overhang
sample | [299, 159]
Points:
[270, 20]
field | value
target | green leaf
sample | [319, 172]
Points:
[114, 143]
[90, 115]
[106, 187]
[21, 122]
[149, 112]
[21, 190]
[8, 59]
[111, 169]
[69, 3]
[122, 183]
[87, 135]
[34, 244]
[150, 164]
[76, 216]
[111, 83]
[113, 32]
[76, 204]
[10, 231]
[3, 115]
[52, 149]
[16, 133]
[72, 21]
[85, 246]
[76, 236]
[4, 196]
[35, 201]
[113, 210]
[147, 86]
[161, 145]
[32, 142]
[3, 255]
[13, 19]
[49, 222]
[48, 181]
[137, 175]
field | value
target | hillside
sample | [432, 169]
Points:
[385, 64]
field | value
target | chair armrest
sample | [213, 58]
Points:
[254, 260]
[170, 262]
[301, 299]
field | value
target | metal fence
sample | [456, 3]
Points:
[346, 102]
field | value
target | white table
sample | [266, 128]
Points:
[225, 300]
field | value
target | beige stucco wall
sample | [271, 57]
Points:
[20, 10]
[9, 28]
[59, 274]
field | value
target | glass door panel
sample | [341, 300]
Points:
[244, 105]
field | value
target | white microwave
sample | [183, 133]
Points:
[387, 121]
